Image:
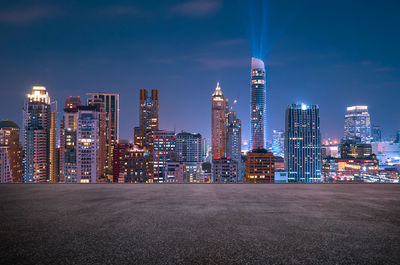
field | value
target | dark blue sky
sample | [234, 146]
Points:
[331, 53]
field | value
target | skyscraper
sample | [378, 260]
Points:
[54, 162]
[376, 133]
[87, 148]
[68, 140]
[164, 152]
[188, 147]
[218, 112]
[111, 123]
[37, 122]
[234, 141]
[303, 143]
[148, 119]
[357, 122]
[278, 143]
[10, 153]
[258, 104]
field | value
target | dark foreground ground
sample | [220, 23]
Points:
[200, 224]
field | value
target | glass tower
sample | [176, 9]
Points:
[357, 123]
[303, 143]
[258, 104]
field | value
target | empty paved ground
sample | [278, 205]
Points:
[200, 224]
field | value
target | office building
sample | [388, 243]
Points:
[225, 170]
[10, 153]
[278, 143]
[260, 167]
[37, 123]
[164, 152]
[148, 119]
[68, 140]
[138, 166]
[119, 155]
[234, 141]
[357, 123]
[109, 126]
[258, 104]
[376, 133]
[303, 143]
[54, 161]
[87, 153]
[174, 172]
[189, 147]
[353, 148]
[218, 114]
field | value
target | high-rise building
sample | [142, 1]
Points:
[164, 152]
[174, 172]
[68, 140]
[148, 119]
[138, 167]
[376, 133]
[278, 143]
[258, 104]
[10, 153]
[225, 170]
[357, 122]
[260, 167]
[188, 147]
[120, 151]
[234, 141]
[218, 114]
[109, 119]
[303, 143]
[353, 148]
[54, 162]
[37, 123]
[87, 148]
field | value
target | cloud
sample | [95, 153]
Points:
[26, 15]
[121, 10]
[197, 8]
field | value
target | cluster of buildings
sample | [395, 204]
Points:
[85, 147]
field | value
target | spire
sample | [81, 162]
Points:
[218, 91]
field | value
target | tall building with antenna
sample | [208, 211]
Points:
[218, 113]
[258, 104]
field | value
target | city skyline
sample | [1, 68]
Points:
[348, 71]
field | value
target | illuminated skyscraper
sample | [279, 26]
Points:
[278, 143]
[111, 123]
[258, 104]
[218, 115]
[54, 162]
[37, 122]
[68, 140]
[164, 151]
[260, 167]
[87, 147]
[357, 122]
[303, 143]
[234, 141]
[10, 153]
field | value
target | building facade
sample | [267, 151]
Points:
[109, 126]
[68, 141]
[357, 123]
[218, 115]
[225, 170]
[188, 147]
[164, 152]
[260, 167]
[303, 143]
[278, 143]
[87, 147]
[234, 142]
[258, 104]
[11, 152]
[37, 122]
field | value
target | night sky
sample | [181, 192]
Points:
[331, 53]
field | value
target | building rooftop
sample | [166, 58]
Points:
[8, 124]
